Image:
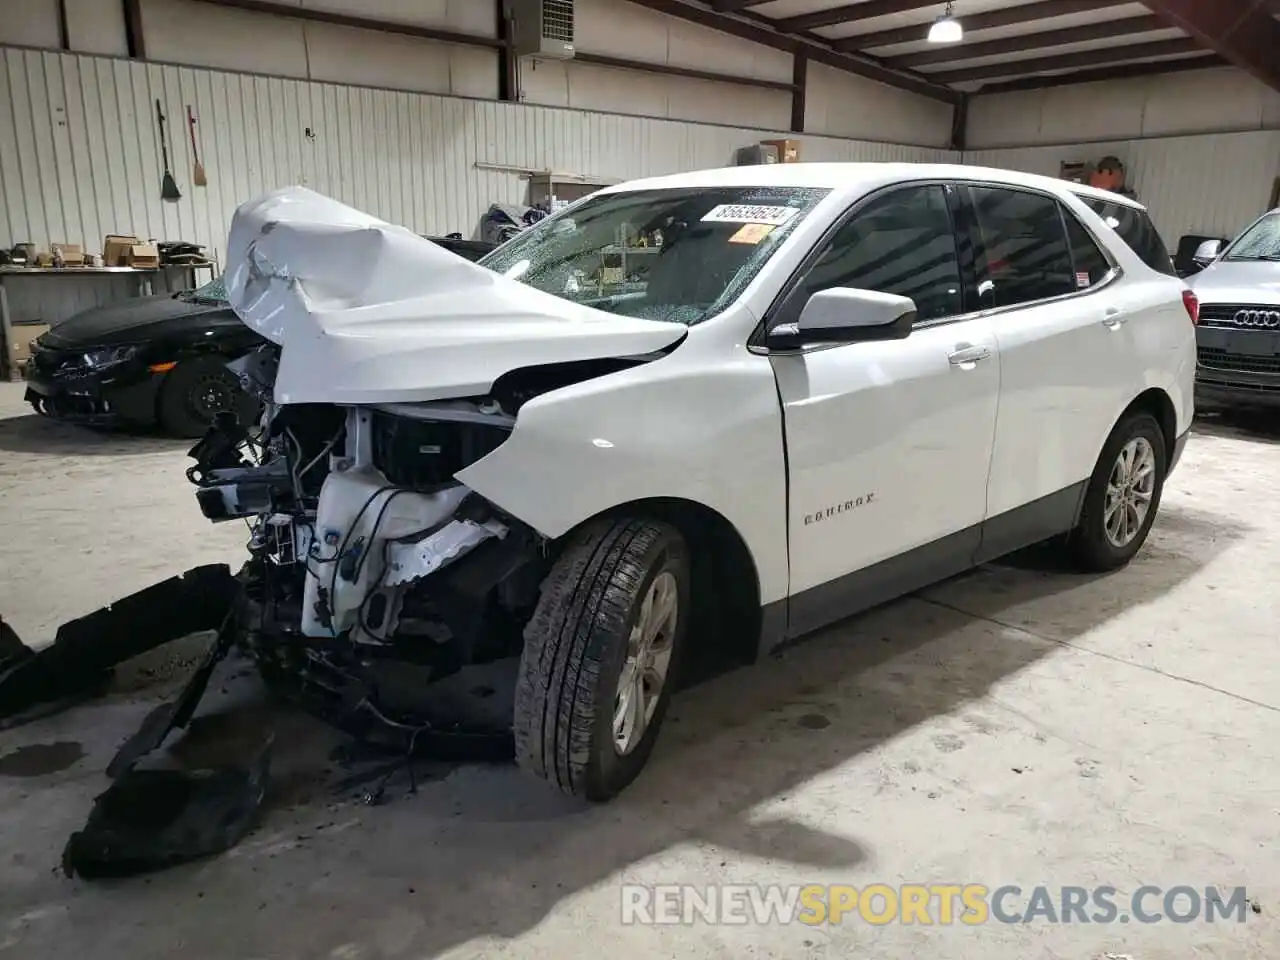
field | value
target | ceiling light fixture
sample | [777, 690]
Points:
[946, 29]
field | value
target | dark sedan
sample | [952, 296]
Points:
[156, 360]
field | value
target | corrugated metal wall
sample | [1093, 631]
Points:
[80, 153]
[1213, 184]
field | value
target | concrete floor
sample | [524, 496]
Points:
[1013, 726]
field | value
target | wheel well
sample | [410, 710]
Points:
[1157, 403]
[726, 586]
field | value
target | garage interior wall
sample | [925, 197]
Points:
[411, 130]
[408, 129]
[80, 153]
[1201, 148]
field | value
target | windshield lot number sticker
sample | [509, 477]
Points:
[747, 213]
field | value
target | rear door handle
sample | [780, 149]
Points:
[1113, 319]
[966, 356]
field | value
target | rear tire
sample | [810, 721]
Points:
[195, 391]
[1123, 496]
[613, 614]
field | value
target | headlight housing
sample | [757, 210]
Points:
[104, 357]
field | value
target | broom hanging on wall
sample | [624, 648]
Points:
[197, 175]
[168, 186]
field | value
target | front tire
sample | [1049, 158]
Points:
[1123, 496]
[601, 655]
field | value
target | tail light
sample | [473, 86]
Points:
[1192, 303]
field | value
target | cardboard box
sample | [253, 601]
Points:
[70, 254]
[788, 150]
[115, 249]
[20, 342]
[144, 256]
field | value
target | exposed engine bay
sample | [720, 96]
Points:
[369, 563]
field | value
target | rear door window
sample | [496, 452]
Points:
[1135, 229]
[1091, 264]
[1024, 255]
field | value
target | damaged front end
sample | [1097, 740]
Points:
[375, 578]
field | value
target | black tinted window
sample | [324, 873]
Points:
[1024, 254]
[899, 243]
[1090, 262]
[1135, 229]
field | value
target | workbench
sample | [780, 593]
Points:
[52, 308]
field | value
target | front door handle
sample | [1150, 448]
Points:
[1113, 319]
[966, 356]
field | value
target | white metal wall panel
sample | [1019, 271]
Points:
[581, 86]
[1212, 184]
[1199, 101]
[33, 24]
[627, 30]
[844, 105]
[178, 31]
[80, 156]
[95, 26]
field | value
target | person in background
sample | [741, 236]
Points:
[1109, 175]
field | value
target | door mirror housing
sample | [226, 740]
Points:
[1207, 252]
[845, 315]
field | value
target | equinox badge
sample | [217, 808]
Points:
[826, 514]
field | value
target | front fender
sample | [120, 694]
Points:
[695, 425]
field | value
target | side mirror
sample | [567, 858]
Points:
[1207, 252]
[844, 315]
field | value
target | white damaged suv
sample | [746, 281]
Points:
[720, 409]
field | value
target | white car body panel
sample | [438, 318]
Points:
[1069, 366]
[369, 312]
[872, 430]
[701, 425]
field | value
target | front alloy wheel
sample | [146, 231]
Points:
[644, 674]
[601, 655]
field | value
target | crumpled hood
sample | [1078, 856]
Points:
[1238, 281]
[368, 312]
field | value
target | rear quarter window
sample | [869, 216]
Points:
[1135, 229]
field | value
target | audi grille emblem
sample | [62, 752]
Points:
[1257, 319]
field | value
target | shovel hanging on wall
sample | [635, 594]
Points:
[168, 186]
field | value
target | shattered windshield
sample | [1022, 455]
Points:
[678, 255]
[215, 291]
[1259, 242]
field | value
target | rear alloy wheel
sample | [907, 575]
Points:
[1123, 495]
[195, 392]
[601, 656]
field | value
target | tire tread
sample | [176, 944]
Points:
[584, 605]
